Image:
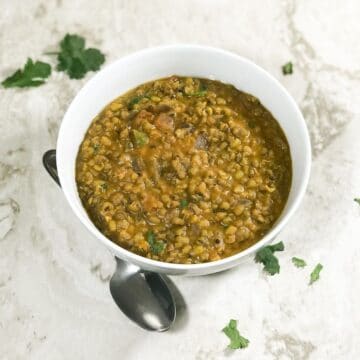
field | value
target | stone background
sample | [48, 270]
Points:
[54, 298]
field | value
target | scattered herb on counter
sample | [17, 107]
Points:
[236, 340]
[183, 203]
[315, 275]
[140, 138]
[268, 259]
[300, 263]
[357, 200]
[75, 60]
[277, 247]
[287, 69]
[33, 74]
[155, 246]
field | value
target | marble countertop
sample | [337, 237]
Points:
[54, 297]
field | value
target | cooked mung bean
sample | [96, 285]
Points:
[184, 170]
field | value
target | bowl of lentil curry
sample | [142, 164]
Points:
[183, 159]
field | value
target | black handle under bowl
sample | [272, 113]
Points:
[49, 162]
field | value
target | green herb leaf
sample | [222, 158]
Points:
[34, 74]
[198, 93]
[133, 101]
[140, 138]
[93, 59]
[104, 187]
[136, 99]
[183, 203]
[96, 148]
[202, 91]
[270, 262]
[300, 263]
[315, 275]
[287, 69]
[156, 247]
[236, 340]
[268, 259]
[75, 60]
[277, 247]
[357, 200]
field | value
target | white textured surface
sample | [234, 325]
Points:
[54, 299]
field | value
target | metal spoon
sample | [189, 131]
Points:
[142, 296]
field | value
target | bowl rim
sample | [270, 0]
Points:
[225, 262]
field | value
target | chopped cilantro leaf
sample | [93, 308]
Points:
[75, 60]
[315, 275]
[202, 86]
[104, 187]
[136, 99]
[357, 200]
[96, 148]
[268, 259]
[300, 263]
[156, 247]
[270, 262]
[199, 93]
[202, 91]
[93, 59]
[287, 69]
[277, 247]
[140, 138]
[33, 74]
[236, 340]
[184, 203]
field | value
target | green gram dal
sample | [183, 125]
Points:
[184, 170]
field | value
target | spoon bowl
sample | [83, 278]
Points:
[143, 297]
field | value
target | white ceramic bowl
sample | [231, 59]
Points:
[184, 60]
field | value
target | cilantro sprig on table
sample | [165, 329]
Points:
[236, 340]
[268, 259]
[33, 74]
[75, 60]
